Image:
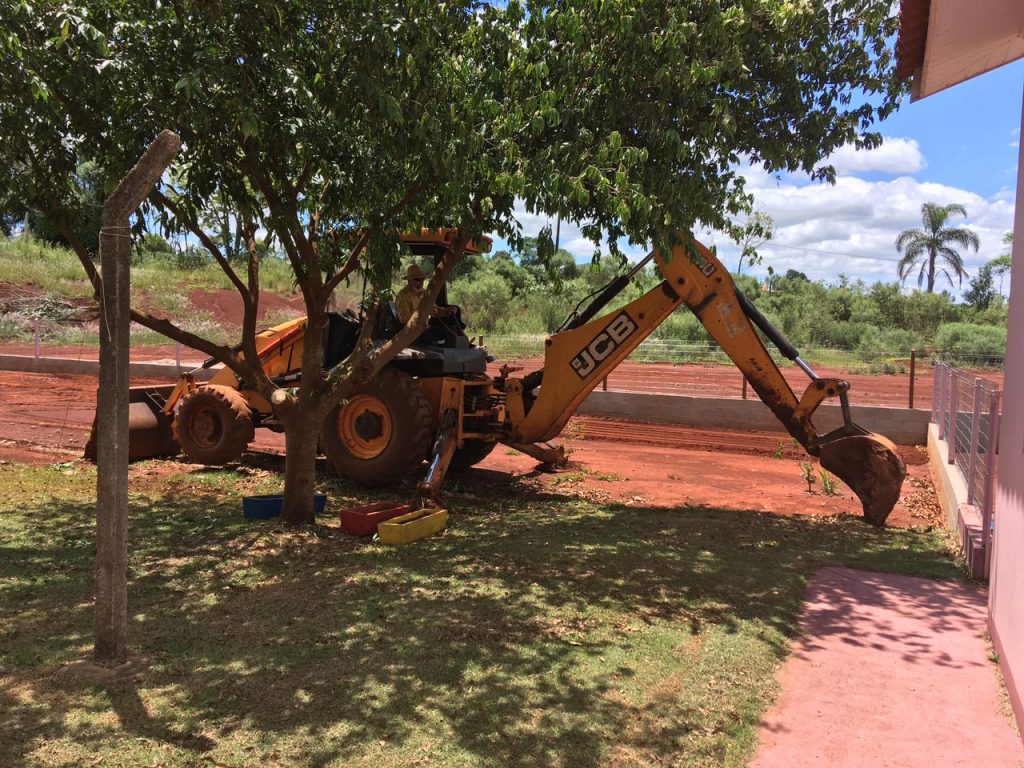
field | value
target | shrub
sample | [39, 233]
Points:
[843, 334]
[682, 325]
[968, 344]
[13, 327]
[876, 344]
[485, 300]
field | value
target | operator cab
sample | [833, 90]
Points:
[444, 350]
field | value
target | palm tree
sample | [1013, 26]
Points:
[933, 242]
[1001, 264]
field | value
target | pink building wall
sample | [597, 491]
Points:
[1006, 586]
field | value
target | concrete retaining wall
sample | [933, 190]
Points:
[950, 486]
[29, 364]
[904, 426]
[961, 516]
[901, 425]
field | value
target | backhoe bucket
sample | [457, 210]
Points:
[149, 428]
[870, 465]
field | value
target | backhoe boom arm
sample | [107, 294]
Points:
[578, 359]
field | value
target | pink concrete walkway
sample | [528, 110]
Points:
[890, 672]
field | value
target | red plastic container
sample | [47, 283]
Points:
[362, 521]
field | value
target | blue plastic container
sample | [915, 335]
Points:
[268, 507]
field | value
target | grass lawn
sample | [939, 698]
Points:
[538, 629]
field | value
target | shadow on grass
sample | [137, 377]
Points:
[496, 638]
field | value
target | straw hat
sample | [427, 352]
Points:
[414, 272]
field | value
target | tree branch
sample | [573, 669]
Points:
[81, 252]
[352, 261]
[218, 352]
[206, 240]
[164, 327]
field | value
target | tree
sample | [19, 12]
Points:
[981, 290]
[935, 241]
[286, 111]
[1001, 264]
[756, 230]
[9, 222]
[370, 118]
[88, 192]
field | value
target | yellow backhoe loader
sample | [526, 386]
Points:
[436, 399]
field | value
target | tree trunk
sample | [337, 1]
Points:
[302, 433]
[931, 272]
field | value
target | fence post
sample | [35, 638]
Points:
[972, 466]
[913, 368]
[991, 449]
[951, 428]
[35, 334]
[744, 387]
[938, 398]
[111, 571]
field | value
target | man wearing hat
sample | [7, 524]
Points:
[409, 297]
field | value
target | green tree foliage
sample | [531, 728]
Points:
[757, 229]
[923, 249]
[981, 289]
[153, 246]
[1001, 264]
[87, 194]
[10, 220]
[486, 300]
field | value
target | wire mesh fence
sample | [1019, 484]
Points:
[896, 378]
[966, 409]
[899, 378]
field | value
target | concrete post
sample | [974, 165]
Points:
[112, 402]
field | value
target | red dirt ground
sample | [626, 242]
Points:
[225, 305]
[46, 418]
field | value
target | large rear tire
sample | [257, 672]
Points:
[214, 425]
[472, 452]
[382, 432]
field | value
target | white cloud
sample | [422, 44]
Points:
[849, 227]
[895, 156]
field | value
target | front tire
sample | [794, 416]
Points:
[382, 432]
[214, 425]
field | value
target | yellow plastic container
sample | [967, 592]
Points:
[413, 526]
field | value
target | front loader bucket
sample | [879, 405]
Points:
[149, 428]
[870, 465]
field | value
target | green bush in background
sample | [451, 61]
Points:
[485, 300]
[517, 301]
[968, 344]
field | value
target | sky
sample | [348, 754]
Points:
[960, 145]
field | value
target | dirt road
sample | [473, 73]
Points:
[45, 419]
